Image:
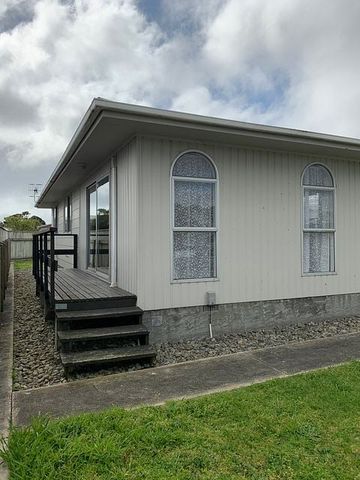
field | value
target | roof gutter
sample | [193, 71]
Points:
[205, 121]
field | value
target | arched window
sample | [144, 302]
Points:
[318, 220]
[194, 217]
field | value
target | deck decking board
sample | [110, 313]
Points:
[79, 291]
[74, 285]
[90, 287]
[67, 286]
[82, 290]
[111, 292]
[60, 294]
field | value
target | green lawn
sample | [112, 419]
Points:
[302, 427]
[23, 264]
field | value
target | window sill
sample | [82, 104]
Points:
[318, 274]
[194, 280]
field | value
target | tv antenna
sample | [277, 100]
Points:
[34, 190]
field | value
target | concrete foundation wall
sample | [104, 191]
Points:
[174, 324]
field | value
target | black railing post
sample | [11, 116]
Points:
[37, 262]
[75, 257]
[34, 255]
[52, 270]
[37, 258]
[46, 268]
[41, 254]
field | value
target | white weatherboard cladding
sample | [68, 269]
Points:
[128, 217]
[260, 221]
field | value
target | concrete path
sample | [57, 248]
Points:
[156, 385]
[6, 362]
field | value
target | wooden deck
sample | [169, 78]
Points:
[95, 324]
[76, 286]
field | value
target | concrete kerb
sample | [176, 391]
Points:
[6, 364]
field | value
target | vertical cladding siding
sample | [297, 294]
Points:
[127, 178]
[60, 213]
[75, 217]
[260, 200]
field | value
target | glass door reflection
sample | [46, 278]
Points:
[98, 196]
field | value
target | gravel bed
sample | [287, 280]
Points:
[168, 353]
[36, 363]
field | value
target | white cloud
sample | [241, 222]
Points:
[280, 62]
[306, 51]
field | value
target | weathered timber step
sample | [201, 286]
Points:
[102, 333]
[73, 315]
[110, 355]
[95, 303]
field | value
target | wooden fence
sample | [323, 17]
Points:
[4, 269]
[21, 243]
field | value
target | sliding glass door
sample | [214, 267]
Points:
[98, 200]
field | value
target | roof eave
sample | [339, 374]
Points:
[99, 105]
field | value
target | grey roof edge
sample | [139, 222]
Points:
[99, 105]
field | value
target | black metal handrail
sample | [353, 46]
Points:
[45, 264]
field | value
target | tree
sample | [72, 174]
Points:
[22, 222]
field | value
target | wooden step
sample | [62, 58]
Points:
[110, 355]
[102, 333]
[95, 303]
[72, 315]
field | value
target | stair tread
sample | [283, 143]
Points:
[108, 355]
[98, 313]
[106, 332]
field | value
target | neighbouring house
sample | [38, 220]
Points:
[189, 213]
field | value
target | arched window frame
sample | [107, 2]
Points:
[215, 229]
[317, 230]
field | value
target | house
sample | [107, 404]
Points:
[258, 224]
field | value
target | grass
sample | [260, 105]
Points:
[302, 427]
[25, 264]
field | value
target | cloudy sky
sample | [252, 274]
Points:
[288, 63]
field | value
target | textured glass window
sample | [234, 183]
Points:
[319, 252]
[194, 217]
[318, 220]
[318, 208]
[194, 255]
[317, 176]
[194, 165]
[194, 204]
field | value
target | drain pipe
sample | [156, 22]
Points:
[210, 324]
[211, 301]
